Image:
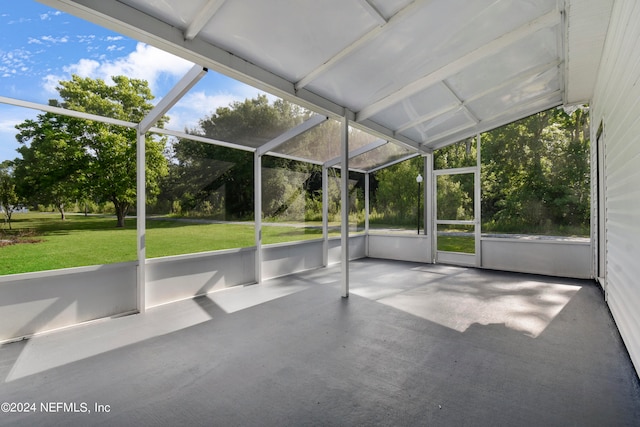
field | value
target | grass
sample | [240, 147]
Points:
[81, 241]
[464, 244]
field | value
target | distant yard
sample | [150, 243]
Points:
[41, 241]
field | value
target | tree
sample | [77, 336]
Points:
[221, 176]
[396, 195]
[51, 170]
[535, 173]
[88, 158]
[8, 195]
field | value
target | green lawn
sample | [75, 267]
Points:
[464, 244]
[80, 241]
[48, 243]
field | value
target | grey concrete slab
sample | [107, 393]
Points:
[413, 345]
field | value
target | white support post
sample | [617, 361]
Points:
[367, 208]
[366, 212]
[425, 192]
[429, 189]
[257, 197]
[141, 221]
[344, 206]
[478, 204]
[325, 216]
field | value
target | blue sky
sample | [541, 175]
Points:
[40, 46]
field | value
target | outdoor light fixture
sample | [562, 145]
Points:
[419, 181]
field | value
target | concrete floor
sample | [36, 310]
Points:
[413, 345]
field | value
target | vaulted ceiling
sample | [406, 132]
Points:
[425, 73]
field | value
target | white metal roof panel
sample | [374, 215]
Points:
[421, 72]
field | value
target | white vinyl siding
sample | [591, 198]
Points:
[617, 102]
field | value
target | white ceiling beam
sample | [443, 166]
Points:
[176, 93]
[373, 11]
[463, 105]
[355, 153]
[65, 112]
[384, 26]
[523, 76]
[199, 138]
[202, 18]
[294, 158]
[430, 116]
[310, 123]
[394, 162]
[547, 20]
[521, 111]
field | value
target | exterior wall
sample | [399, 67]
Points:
[549, 257]
[400, 247]
[43, 301]
[617, 102]
[186, 276]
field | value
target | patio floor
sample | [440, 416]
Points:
[414, 344]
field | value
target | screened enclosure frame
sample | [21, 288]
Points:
[470, 79]
[179, 90]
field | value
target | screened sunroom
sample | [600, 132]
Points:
[404, 121]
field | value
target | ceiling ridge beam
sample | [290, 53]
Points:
[549, 19]
[453, 106]
[395, 19]
[202, 18]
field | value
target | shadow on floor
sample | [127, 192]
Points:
[412, 345]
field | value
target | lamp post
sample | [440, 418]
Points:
[419, 180]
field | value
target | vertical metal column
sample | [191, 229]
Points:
[366, 213]
[325, 216]
[344, 205]
[427, 178]
[429, 189]
[257, 216]
[141, 213]
[478, 205]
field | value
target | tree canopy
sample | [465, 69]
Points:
[66, 159]
[9, 198]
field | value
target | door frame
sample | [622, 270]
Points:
[458, 258]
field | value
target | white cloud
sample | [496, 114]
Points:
[84, 68]
[114, 48]
[14, 60]
[47, 16]
[146, 62]
[55, 40]
[86, 38]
